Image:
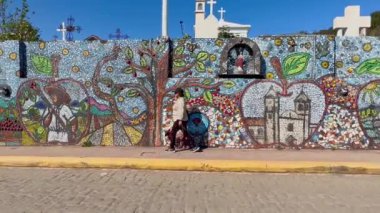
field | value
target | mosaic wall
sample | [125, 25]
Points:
[315, 92]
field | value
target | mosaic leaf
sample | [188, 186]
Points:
[42, 64]
[187, 94]
[370, 66]
[228, 84]
[179, 63]
[129, 70]
[160, 48]
[208, 81]
[129, 53]
[202, 56]
[133, 93]
[179, 50]
[200, 67]
[143, 62]
[296, 63]
[106, 81]
[207, 96]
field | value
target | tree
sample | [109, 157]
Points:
[16, 25]
[375, 24]
[224, 32]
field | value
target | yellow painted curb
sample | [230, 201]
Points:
[193, 165]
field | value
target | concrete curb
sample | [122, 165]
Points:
[193, 165]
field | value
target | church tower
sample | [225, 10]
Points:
[206, 26]
[272, 110]
[302, 105]
[200, 11]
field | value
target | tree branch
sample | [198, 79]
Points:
[184, 69]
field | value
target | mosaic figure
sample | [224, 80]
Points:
[58, 116]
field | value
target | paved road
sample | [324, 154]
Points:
[90, 190]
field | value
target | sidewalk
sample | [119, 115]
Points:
[226, 160]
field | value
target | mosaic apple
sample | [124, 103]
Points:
[279, 112]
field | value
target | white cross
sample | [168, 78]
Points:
[211, 3]
[63, 30]
[354, 24]
[222, 11]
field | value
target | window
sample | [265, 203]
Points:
[260, 132]
[290, 127]
[300, 107]
[270, 116]
[200, 7]
[306, 106]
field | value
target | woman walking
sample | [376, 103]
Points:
[179, 117]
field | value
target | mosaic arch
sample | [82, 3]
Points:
[241, 56]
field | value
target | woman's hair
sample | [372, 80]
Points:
[180, 92]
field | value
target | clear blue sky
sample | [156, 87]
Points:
[142, 18]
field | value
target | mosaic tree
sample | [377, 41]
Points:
[185, 56]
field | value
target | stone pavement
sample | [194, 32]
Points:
[106, 190]
[213, 159]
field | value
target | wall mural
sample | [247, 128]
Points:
[319, 92]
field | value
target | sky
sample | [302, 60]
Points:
[142, 18]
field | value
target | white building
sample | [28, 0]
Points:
[209, 26]
[352, 24]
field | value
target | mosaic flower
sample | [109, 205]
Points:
[278, 42]
[367, 47]
[355, 58]
[219, 42]
[270, 75]
[120, 99]
[371, 92]
[1, 52]
[350, 70]
[325, 64]
[136, 110]
[265, 53]
[86, 53]
[88, 84]
[339, 64]
[212, 57]
[13, 56]
[65, 51]
[109, 69]
[75, 69]
[42, 45]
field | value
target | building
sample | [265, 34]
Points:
[290, 127]
[352, 24]
[209, 26]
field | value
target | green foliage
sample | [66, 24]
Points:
[42, 65]
[179, 50]
[143, 62]
[132, 93]
[228, 84]
[15, 25]
[87, 144]
[129, 53]
[224, 32]
[187, 94]
[179, 63]
[375, 24]
[200, 67]
[370, 66]
[207, 96]
[208, 81]
[295, 64]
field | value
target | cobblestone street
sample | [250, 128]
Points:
[89, 190]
